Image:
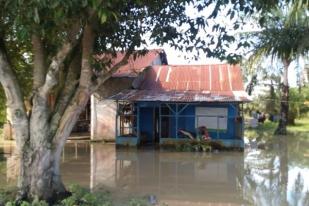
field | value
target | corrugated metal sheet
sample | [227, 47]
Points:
[179, 96]
[189, 83]
[134, 66]
[220, 77]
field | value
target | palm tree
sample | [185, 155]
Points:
[285, 36]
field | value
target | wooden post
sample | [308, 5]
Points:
[116, 122]
[217, 127]
[93, 117]
[138, 124]
[153, 123]
[243, 121]
[160, 128]
[176, 116]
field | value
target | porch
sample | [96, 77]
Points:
[140, 123]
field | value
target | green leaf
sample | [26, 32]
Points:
[103, 17]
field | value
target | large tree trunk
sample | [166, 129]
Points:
[41, 174]
[41, 134]
[284, 105]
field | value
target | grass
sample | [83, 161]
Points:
[266, 131]
[301, 125]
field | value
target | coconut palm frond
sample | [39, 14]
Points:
[285, 36]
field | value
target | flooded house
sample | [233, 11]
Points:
[164, 103]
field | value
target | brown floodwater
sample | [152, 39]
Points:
[276, 175]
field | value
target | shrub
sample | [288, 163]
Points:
[79, 197]
[194, 145]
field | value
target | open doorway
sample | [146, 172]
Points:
[151, 127]
[81, 130]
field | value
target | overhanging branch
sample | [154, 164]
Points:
[106, 75]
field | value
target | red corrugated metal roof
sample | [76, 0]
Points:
[134, 66]
[216, 78]
[189, 83]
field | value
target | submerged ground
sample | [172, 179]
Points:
[274, 175]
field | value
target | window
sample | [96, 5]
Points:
[211, 117]
[127, 117]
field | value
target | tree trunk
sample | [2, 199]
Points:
[41, 160]
[38, 155]
[41, 174]
[284, 105]
[41, 157]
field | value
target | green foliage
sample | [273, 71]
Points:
[35, 202]
[7, 195]
[138, 202]
[297, 103]
[193, 145]
[269, 103]
[119, 25]
[82, 196]
[284, 32]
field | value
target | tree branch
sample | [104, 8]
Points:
[51, 76]
[106, 75]
[14, 99]
[66, 94]
[87, 53]
[81, 96]
[39, 67]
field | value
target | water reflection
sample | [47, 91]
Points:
[275, 176]
[75, 166]
[172, 177]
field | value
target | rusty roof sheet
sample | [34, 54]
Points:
[215, 77]
[189, 83]
[134, 66]
[180, 96]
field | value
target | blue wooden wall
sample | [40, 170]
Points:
[146, 122]
[186, 123]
